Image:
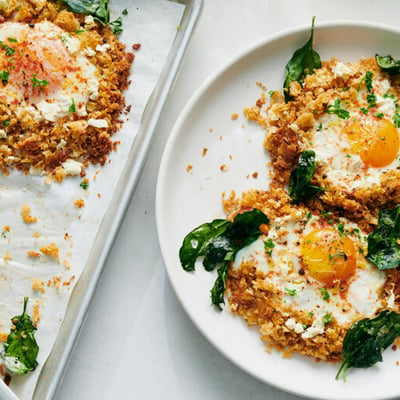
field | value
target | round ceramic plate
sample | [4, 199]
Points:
[210, 153]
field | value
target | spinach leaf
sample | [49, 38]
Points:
[388, 63]
[219, 241]
[99, 9]
[300, 188]
[21, 349]
[383, 246]
[366, 339]
[116, 26]
[195, 243]
[302, 63]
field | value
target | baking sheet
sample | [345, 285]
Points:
[65, 284]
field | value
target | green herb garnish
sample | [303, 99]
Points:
[4, 76]
[335, 109]
[219, 241]
[21, 348]
[300, 188]
[366, 339]
[40, 83]
[291, 292]
[303, 62]
[268, 246]
[325, 294]
[72, 107]
[84, 185]
[327, 319]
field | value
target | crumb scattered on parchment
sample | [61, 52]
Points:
[26, 214]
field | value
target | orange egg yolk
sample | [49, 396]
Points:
[328, 257]
[375, 140]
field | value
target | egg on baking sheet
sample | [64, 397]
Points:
[355, 149]
[317, 265]
[43, 71]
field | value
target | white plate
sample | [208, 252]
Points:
[185, 199]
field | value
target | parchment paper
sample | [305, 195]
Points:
[153, 24]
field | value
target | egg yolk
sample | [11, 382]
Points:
[375, 140]
[328, 257]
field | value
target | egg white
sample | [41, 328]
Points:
[341, 169]
[281, 268]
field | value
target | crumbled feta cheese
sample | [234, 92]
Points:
[72, 44]
[72, 167]
[341, 70]
[103, 48]
[89, 20]
[294, 326]
[315, 329]
[89, 52]
[98, 123]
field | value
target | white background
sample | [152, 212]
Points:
[137, 341]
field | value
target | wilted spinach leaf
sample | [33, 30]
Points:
[300, 188]
[99, 9]
[302, 63]
[21, 349]
[219, 241]
[388, 63]
[367, 339]
[383, 246]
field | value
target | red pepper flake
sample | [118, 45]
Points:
[204, 152]
[136, 46]
[7, 379]
[255, 175]
[189, 168]
[211, 129]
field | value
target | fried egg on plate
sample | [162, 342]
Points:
[43, 71]
[355, 150]
[317, 264]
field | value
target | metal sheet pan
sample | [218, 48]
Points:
[79, 303]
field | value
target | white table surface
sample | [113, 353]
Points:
[137, 342]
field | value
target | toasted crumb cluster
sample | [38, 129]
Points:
[67, 144]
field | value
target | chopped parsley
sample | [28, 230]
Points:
[4, 76]
[337, 110]
[340, 254]
[325, 294]
[291, 292]
[84, 185]
[269, 245]
[40, 83]
[327, 319]
[72, 107]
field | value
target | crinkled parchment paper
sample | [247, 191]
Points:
[153, 24]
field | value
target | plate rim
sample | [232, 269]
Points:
[173, 137]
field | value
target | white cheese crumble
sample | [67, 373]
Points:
[98, 123]
[103, 48]
[293, 325]
[315, 329]
[72, 167]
